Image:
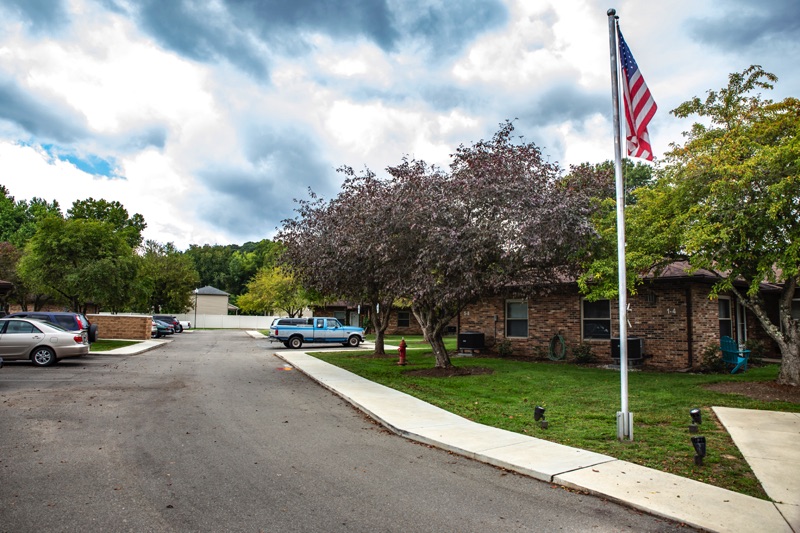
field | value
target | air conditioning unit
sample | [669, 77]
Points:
[471, 340]
[635, 348]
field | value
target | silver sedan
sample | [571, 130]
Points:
[41, 342]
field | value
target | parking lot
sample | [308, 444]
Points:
[210, 432]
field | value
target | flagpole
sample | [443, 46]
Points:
[624, 417]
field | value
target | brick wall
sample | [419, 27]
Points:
[757, 333]
[394, 328]
[676, 320]
[122, 326]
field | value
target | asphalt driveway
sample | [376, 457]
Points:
[210, 432]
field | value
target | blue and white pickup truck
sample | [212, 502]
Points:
[294, 332]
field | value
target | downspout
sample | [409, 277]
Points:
[689, 331]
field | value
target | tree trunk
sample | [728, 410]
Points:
[790, 365]
[433, 324]
[379, 315]
[786, 336]
[439, 351]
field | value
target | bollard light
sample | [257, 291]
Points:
[538, 415]
[697, 419]
[699, 444]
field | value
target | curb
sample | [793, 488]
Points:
[134, 349]
[658, 493]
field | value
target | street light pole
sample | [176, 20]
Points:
[195, 308]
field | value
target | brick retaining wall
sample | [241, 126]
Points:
[122, 326]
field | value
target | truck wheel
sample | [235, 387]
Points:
[295, 342]
[354, 341]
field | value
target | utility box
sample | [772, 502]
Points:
[635, 349]
[471, 340]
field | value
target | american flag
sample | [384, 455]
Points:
[639, 104]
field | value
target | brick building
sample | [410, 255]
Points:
[401, 321]
[673, 314]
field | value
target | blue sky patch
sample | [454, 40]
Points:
[89, 163]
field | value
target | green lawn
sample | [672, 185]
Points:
[103, 345]
[581, 405]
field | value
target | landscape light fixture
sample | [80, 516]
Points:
[699, 444]
[697, 419]
[538, 415]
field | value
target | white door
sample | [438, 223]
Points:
[741, 323]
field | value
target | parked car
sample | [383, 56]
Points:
[169, 319]
[44, 343]
[68, 321]
[160, 329]
[168, 328]
[186, 324]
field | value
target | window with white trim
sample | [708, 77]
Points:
[596, 319]
[516, 318]
[725, 317]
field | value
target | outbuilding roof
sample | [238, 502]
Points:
[211, 291]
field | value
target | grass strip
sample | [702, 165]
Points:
[104, 345]
[581, 405]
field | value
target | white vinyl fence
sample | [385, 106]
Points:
[227, 321]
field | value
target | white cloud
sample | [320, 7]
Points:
[214, 150]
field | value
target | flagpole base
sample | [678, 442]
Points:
[624, 425]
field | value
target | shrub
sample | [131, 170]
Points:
[757, 351]
[504, 348]
[711, 360]
[539, 353]
[582, 352]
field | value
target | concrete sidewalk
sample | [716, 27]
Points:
[770, 442]
[659, 493]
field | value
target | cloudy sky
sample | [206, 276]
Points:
[209, 116]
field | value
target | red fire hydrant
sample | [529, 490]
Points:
[401, 350]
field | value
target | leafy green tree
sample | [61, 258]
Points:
[170, 278]
[19, 219]
[21, 293]
[11, 216]
[212, 264]
[114, 213]
[242, 266]
[230, 267]
[9, 258]
[635, 175]
[268, 252]
[80, 262]
[274, 289]
[728, 201]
